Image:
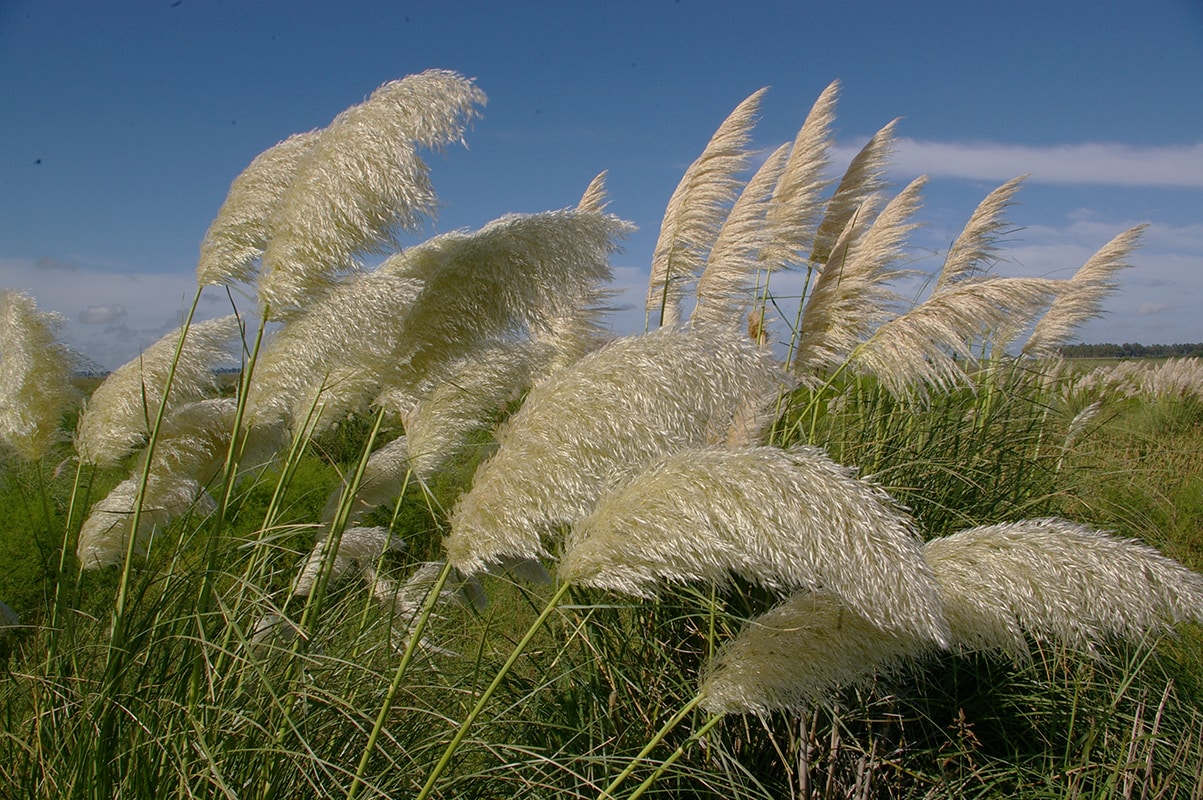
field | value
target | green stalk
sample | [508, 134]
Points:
[668, 762]
[519, 648]
[675, 720]
[412, 645]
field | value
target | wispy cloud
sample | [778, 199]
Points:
[102, 315]
[1093, 163]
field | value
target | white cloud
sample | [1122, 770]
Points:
[102, 315]
[1178, 166]
[1154, 308]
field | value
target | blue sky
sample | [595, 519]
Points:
[124, 123]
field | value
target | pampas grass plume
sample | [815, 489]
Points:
[785, 519]
[1054, 580]
[120, 413]
[798, 654]
[35, 376]
[597, 422]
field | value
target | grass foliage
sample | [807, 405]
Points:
[469, 548]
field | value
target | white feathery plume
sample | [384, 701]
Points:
[519, 274]
[784, 519]
[797, 206]
[851, 296]
[863, 179]
[358, 549]
[406, 601]
[35, 376]
[920, 348]
[120, 413]
[236, 239]
[595, 423]
[360, 182]
[596, 198]
[193, 441]
[1054, 580]
[727, 283]
[469, 398]
[800, 653]
[104, 534]
[322, 364]
[696, 211]
[381, 483]
[1083, 295]
[976, 245]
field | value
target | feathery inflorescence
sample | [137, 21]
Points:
[785, 519]
[976, 246]
[236, 239]
[360, 182]
[1055, 580]
[518, 275]
[851, 295]
[358, 549]
[726, 286]
[322, 365]
[103, 537]
[1082, 296]
[596, 423]
[799, 653]
[696, 211]
[928, 346]
[863, 179]
[797, 207]
[121, 412]
[382, 481]
[35, 376]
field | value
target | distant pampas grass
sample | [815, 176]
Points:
[696, 211]
[596, 423]
[35, 376]
[800, 653]
[785, 519]
[359, 182]
[1056, 581]
[120, 414]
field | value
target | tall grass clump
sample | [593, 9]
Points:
[448, 536]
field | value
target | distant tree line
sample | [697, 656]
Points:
[1132, 350]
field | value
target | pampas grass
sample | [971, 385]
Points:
[597, 423]
[1055, 580]
[851, 297]
[786, 519]
[725, 287]
[696, 211]
[359, 182]
[357, 549]
[798, 654]
[1081, 298]
[120, 414]
[35, 376]
[236, 239]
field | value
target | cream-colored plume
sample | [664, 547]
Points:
[798, 654]
[696, 211]
[360, 182]
[121, 412]
[785, 519]
[596, 423]
[726, 286]
[852, 294]
[1056, 581]
[236, 239]
[35, 376]
[1082, 297]
[359, 549]
[103, 537]
[863, 179]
